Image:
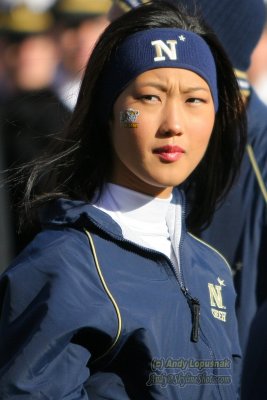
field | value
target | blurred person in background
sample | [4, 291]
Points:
[30, 56]
[239, 227]
[31, 112]
[42, 61]
[79, 24]
[258, 70]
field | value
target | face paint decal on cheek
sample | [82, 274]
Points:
[128, 118]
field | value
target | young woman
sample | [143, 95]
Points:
[114, 298]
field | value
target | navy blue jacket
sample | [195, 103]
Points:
[94, 316]
[255, 372]
[239, 227]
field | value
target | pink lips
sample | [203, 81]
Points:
[169, 153]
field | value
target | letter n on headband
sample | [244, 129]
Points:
[162, 47]
[155, 48]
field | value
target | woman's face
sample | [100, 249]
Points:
[161, 126]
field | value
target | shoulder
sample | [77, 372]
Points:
[210, 266]
[257, 141]
[211, 253]
[52, 250]
[56, 266]
[54, 285]
[257, 123]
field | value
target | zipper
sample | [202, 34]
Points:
[193, 302]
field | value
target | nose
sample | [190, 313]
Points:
[172, 120]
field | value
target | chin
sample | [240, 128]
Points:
[169, 183]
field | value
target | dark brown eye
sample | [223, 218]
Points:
[150, 97]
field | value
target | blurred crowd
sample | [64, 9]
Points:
[44, 47]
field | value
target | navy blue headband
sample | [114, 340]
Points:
[157, 48]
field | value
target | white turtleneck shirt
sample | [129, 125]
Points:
[150, 222]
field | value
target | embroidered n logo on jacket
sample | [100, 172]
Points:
[216, 300]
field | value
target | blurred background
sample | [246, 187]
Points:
[44, 46]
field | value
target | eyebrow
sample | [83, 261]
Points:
[157, 85]
[196, 89]
[163, 87]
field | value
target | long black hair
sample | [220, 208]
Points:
[81, 159]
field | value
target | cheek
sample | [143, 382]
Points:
[127, 142]
[130, 145]
[201, 134]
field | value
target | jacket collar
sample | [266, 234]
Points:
[64, 212]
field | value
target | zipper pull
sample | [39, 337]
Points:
[194, 305]
[195, 310]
